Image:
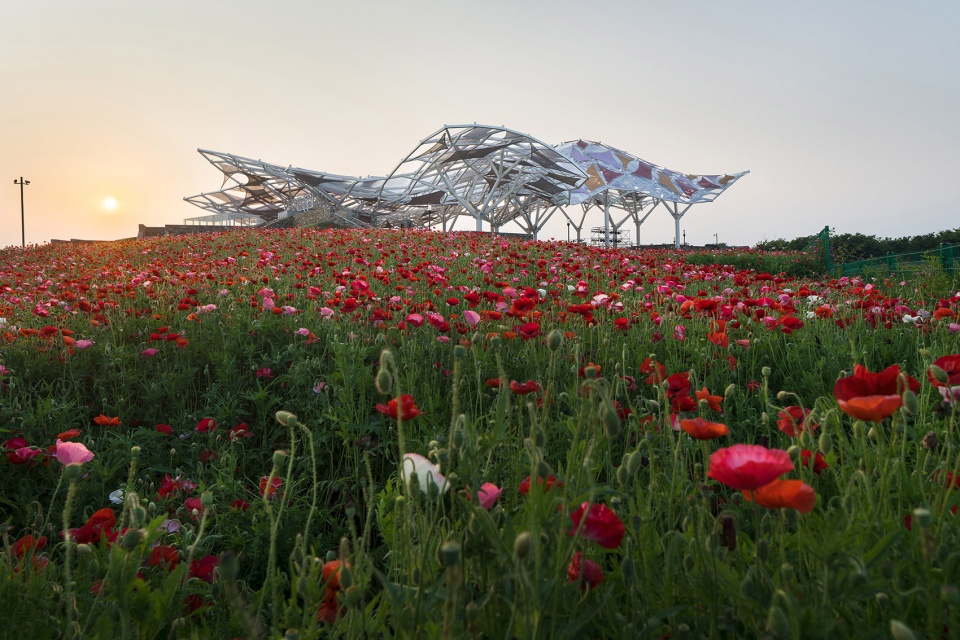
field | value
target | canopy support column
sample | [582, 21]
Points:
[677, 214]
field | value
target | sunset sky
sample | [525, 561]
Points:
[847, 114]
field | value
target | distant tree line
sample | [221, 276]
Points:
[849, 247]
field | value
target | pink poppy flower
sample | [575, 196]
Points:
[72, 453]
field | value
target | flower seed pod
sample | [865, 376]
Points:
[131, 539]
[910, 402]
[278, 457]
[634, 463]
[384, 381]
[543, 470]
[554, 340]
[923, 517]
[459, 352]
[449, 553]
[765, 372]
[623, 476]
[939, 374]
[286, 418]
[825, 443]
[611, 421]
[522, 545]
[206, 499]
[930, 441]
[729, 390]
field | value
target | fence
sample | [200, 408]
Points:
[899, 263]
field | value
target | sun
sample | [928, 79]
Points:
[110, 204]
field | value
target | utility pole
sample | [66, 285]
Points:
[23, 228]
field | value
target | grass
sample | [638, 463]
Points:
[198, 550]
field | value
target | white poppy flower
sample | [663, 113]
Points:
[426, 473]
[116, 497]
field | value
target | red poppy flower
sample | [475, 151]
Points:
[269, 491]
[240, 431]
[163, 428]
[404, 407]
[791, 421]
[240, 505]
[329, 611]
[66, 435]
[529, 330]
[105, 421]
[713, 402]
[28, 543]
[748, 466]
[202, 569]
[657, 372]
[547, 484]
[813, 460]
[872, 397]
[585, 572]
[206, 425]
[601, 525]
[523, 388]
[784, 494]
[951, 366]
[701, 429]
[494, 383]
[163, 556]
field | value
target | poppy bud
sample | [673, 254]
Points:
[139, 515]
[729, 390]
[923, 517]
[900, 631]
[590, 372]
[806, 439]
[634, 463]
[278, 457]
[459, 352]
[623, 476]
[346, 576]
[778, 623]
[765, 372]
[131, 539]
[925, 353]
[554, 340]
[83, 549]
[291, 634]
[825, 443]
[384, 381]
[494, 343]
[543, 470]
[764, 419]
[351, 596]
[611, 421]
[286, 418]
[458, 438]
[449, 553]
[782, 396]
[938, 374]
[206, 499]
[910, 402]
[135, 451]
[522, 545]
[873, 433]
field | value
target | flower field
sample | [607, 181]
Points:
[384, 434]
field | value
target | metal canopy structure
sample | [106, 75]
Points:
[492, 174]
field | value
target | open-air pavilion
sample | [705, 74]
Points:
[494, 175]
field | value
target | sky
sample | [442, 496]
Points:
[846, 114]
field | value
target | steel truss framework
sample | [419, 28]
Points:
[492, 174]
